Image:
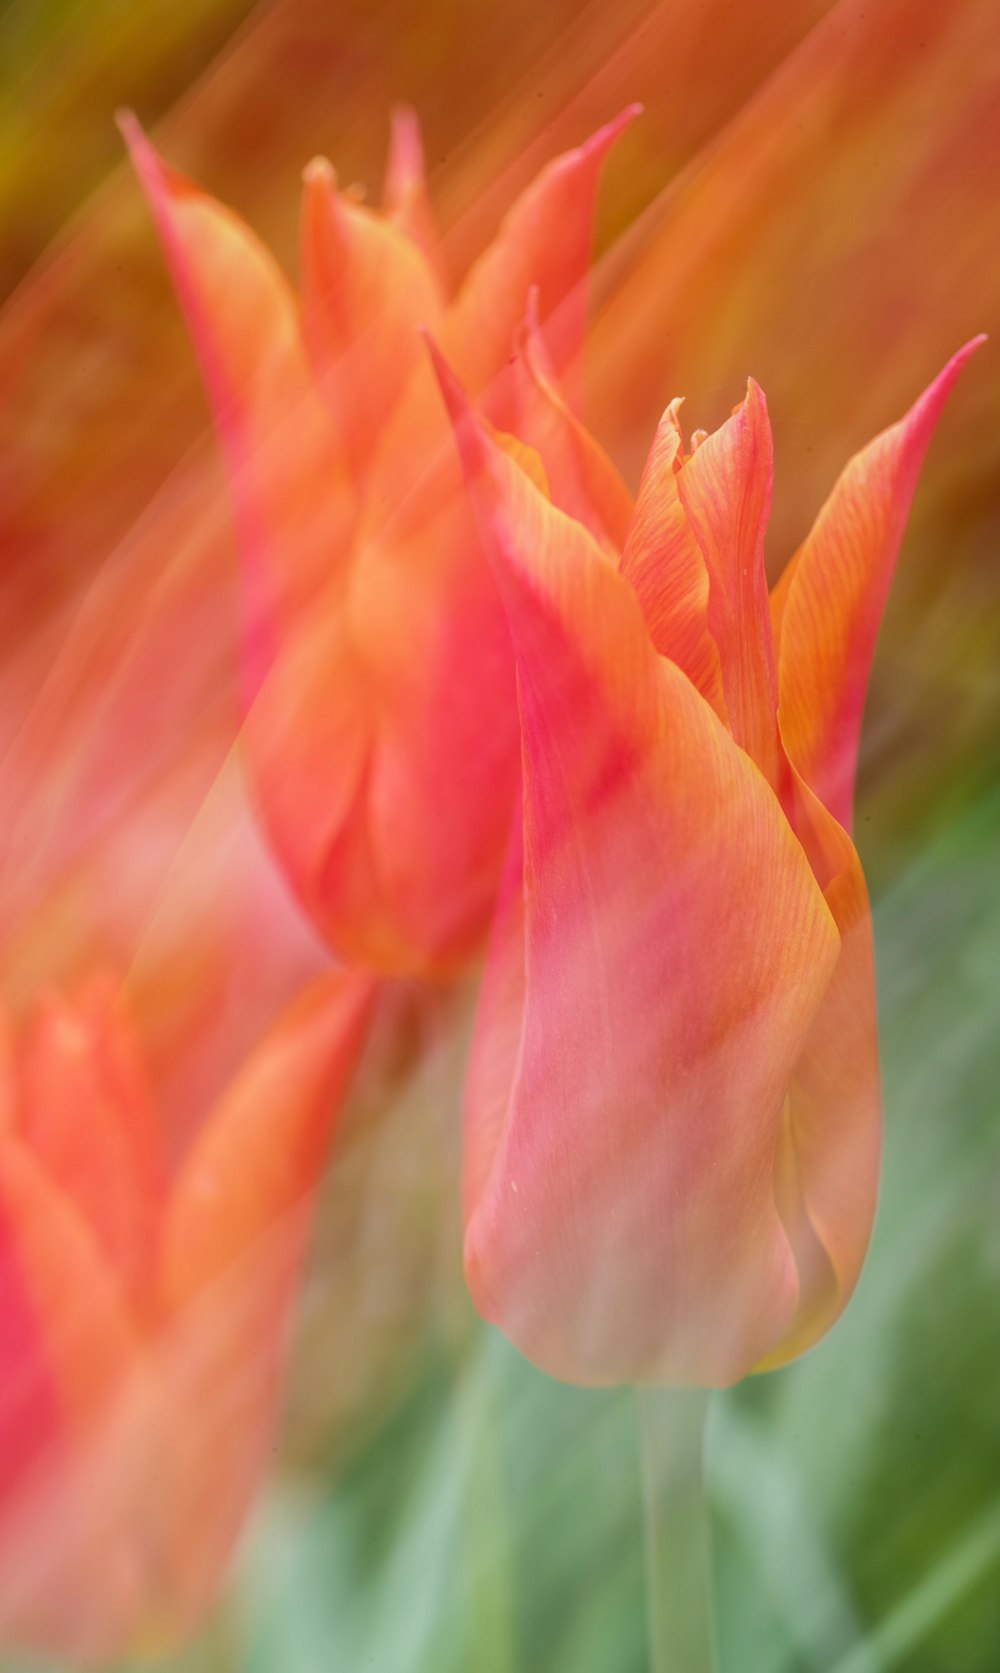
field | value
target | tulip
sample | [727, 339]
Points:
[381, 736]
[673, 1106]
[144, 1311]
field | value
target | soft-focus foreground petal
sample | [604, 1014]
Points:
[294, 505]
[830, 603]
[233, 1244]
[676, 950]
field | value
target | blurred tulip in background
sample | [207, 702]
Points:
[381, 736]
[144, 1312]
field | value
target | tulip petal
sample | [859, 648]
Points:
[664, 564]
[89, 1339]
[496, 1035]
[406, 198]
[366, 288]
[294, 506]
[830, 607]
[31, 1411]
[445, 765]
[234, 1240]
[725, 489]
[72, 1566]
[676, 951]
[833, 1115]
[544, 241]
[307, 743]
[582, 479]
[89, 1122]
[260, 1153]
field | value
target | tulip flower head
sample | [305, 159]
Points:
[144, 1316]
[673, 1107]
[381, 736]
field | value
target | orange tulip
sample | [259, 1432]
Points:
[381, 736]
[673, 1108]
[143, 1317]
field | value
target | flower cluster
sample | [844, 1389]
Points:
[494, 709]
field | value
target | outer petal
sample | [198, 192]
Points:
[582, 479]
[384, 748]
[832, 1137]
[831, 606]
[232, 1252]
[725, 489]
[664, 564]
[544, 241]
[366, 287]
[676, 949]
[496, 1037]
[294, 505]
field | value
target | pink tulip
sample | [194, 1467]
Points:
[673, 1107]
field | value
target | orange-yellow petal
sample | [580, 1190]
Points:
[830, 607]
[260, 1153]
[89, 1338]
[725, 489]
[582, 479]
[232, 1252]
[832, 1135]
[544, 241]
[384, 751]
[295, 506]
[406, 199]
[366, 288]
[666, 568]
[88, 1121]
[676, 951]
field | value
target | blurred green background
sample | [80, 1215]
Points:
[437, 1505]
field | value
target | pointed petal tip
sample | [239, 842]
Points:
[601, 141]
[460, 408]
[953, 366]
[161, 183]
[529, 343]
[406, 139]
[319, 171]
[128, 124]
[145, 159]
[928, 406]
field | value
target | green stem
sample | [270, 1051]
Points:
[678, 1547]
